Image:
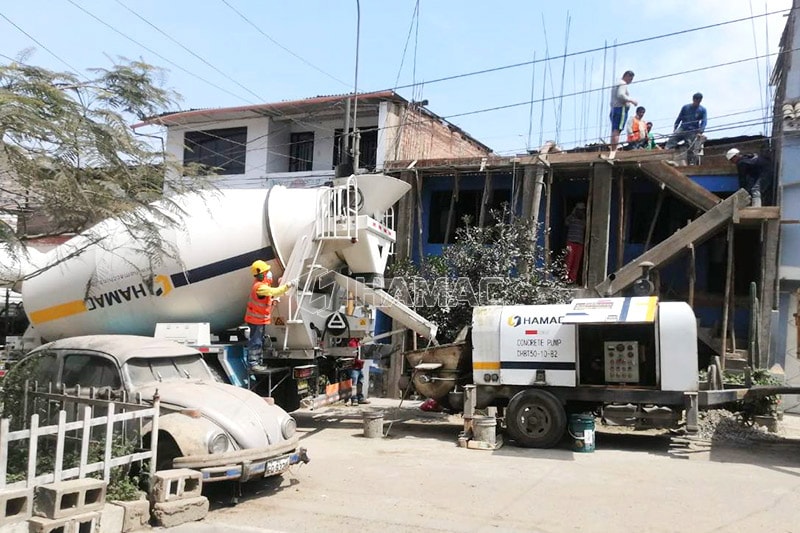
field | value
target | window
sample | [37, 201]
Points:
[42, 368]
[468, 205]
[368, 148]
[301, 151]
[90, 371]
[224, 150]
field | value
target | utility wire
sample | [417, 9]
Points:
[598, 49]
[279, 45]
[176, 65]
[168, 36]
[46, 49]
[414, 18]
[655, 78]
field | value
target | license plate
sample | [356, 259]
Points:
[276, 465]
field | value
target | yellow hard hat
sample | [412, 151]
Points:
[258, 267]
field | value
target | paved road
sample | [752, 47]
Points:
[418, 480]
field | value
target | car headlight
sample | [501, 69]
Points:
[288, 427]
[218, 443]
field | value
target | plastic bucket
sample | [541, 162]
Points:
[373, 424]
[484, 428]
[581, 429]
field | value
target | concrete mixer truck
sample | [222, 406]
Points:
[332, 242]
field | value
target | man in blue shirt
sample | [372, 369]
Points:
[690, 123]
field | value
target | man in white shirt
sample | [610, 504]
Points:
[620, 100]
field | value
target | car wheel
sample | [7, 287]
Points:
[536, 419]
[167, 451]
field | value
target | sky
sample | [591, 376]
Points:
[222, 53]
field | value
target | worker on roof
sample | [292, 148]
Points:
[637, 130]
[691, 123]
[620, 101]
[259, 311]
[755, 173]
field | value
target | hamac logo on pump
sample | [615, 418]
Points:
[517, 320]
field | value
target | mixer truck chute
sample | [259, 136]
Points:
[340, 232]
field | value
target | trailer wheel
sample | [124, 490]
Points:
[536, 419]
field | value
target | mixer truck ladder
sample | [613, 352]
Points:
[337, 211]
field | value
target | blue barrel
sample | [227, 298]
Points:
[581, 429]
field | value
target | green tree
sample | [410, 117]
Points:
[69, 155]
[494, 264]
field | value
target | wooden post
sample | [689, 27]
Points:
[599, 223]
[587, 232]
[536, 200]
[652, 229]
[418, 189]
[727, 297]
[405, 220]
[620, 221]
[486, 199]
[548, 201]
[451, 213]
[770, 231]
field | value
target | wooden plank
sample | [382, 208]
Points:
[680, 185]
[652, 229]
[451, 213]
[528, 181]
[695, 232]
[548, 202]
[486, 199]
[620, 220]
[404, 220]
[769, 273]
[600, 223]
[760, 213]
[727, 298]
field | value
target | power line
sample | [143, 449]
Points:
[206, 62]
[46, 49]
[176, 65]
[577, 93]
[279, 45]
[598, 49]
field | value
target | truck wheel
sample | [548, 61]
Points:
[536, 419]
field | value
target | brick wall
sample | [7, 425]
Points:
[418, 135]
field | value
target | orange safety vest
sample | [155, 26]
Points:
[259, 309]
[638, 129]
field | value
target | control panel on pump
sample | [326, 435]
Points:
[621, 361]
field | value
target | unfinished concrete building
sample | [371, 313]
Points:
[693, 223]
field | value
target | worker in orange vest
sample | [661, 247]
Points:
[259, 310]
[637, 130]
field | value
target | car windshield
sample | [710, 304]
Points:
[146, 370]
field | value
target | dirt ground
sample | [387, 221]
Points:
[417, 479]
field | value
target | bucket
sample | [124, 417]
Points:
[484, 429]
[373, 424]
[581, 429]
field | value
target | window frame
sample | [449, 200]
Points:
[301, 151]
[223, 150]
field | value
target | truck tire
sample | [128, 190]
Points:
[536, 419]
